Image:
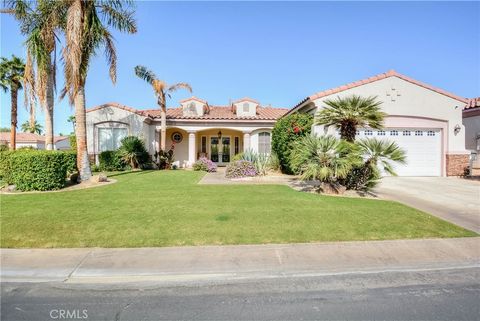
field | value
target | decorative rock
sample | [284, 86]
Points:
[11, 188]
[102, 178]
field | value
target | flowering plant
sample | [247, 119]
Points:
[204, 164]
[241, 168]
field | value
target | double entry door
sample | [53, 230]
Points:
[220, 149]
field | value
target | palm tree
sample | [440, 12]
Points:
[28, 128]
[324, 158]
[378, 156]
[11, 78]
[87, 30]
[71, 119]
[40, 23]
[350, 113]
[161, 90]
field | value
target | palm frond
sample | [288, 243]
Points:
[144, 73]
[180, 85]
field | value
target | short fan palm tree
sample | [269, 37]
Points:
[324, 158]
[162, 90]
[350, 113]
[28, 128]
[12, 78]
[87, 30]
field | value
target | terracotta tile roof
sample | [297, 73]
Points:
[390, 73]
[246, 99]
[472, 103]
[29, 138]
[114, 104]
[221, 112]
[193, 98]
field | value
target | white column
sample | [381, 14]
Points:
[246, 141]
[191, 148]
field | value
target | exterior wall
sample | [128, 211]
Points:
[180, 152]
[456, 164]
[63, 144]
[214, 132]
[33, 145]
[402, 98]
[113, 117]
[252, 109]
[198, 108]
[472, 130]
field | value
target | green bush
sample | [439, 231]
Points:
[36, 170]
[73, 141]
[287, 130]
[70, 161]
[3, 148]
[110, 161]
[133, 152]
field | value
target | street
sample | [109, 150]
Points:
[429, 294]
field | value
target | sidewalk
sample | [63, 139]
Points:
[181, 264]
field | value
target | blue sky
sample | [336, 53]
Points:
[277, 52]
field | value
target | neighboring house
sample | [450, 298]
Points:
[34, 140]
[195, 129]
[471, 121]
[423, 120]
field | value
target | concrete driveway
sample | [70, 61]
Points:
[453, 199]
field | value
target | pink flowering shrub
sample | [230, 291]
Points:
[204, 164]
[241, 168]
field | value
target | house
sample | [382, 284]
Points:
[194, 129]
[471, 121]
[425, 121]
[34, 140]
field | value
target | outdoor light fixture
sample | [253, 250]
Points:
[219, 134]
[456, 130]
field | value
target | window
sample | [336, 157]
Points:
[110, 138]
[418, 133]
[406, 133]
[393, 133]
[381, 133]
[245, 107]
[430, 133]
[236, 145]
[357, 132]
[177, 137]
[204, 144]
[264, 146]
[368, 132]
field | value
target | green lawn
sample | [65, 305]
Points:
[163, 208]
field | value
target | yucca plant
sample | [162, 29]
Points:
[323, 158]
[350, 113]
[133, 152]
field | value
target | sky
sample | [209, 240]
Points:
[275, 52]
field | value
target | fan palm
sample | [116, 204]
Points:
[28, 128]
[40, 22]
[324, 158]
[161, 90]
[86, 31]
[12, 78]
[350, 113]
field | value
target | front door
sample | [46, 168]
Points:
[220, 150]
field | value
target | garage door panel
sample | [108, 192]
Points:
[422, 146]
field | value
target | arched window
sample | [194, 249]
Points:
[264, 145]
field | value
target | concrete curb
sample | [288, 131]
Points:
[180, 264]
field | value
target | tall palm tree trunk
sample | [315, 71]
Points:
[83, 163]
[49, 137]
[13, 117]
[163, 123]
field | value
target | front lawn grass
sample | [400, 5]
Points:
[166, 208]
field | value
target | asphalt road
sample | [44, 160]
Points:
[452, 294]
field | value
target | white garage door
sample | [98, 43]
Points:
[423, 147]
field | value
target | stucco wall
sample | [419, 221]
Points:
[472, 131]
[112, 116]
[252, 108]
[180, 152]
[412, 100]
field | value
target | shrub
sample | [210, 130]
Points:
[38, 170]
[133, 152]
[204, 164]
[73, 141]
[287, 130]
[5, 166]
[262, 162]
[70, 161]
[110, 161]
[241, 168]
[164, 159]
[3, 147]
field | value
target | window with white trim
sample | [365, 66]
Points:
[245, 107]
[368, 132]
[394, 133]
[406, 133]
[381, 133]
[430, 133]
[110, 138]
[418, 133]
[264, 145]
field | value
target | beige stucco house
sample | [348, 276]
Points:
[195, 128]
[424, 120]
[35, 141]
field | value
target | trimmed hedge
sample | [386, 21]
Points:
[287, 130]
[110, 161]
[37, 170]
